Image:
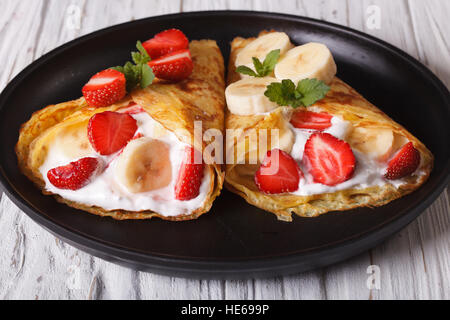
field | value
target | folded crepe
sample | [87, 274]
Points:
[175, 106]
[341, 101]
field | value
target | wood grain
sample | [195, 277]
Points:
[414, 264]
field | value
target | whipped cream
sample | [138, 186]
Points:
[368, 172]
[107, 192]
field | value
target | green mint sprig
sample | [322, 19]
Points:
[262, 68]
[139, 72]
[307, 92]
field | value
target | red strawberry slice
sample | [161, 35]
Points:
[330, 160]
[278, 173]
[105, 88]
[174, 66]
[166, 42]
[110, 131]
[190, 175]
[75, 175]
[404, 163]
[303, 119]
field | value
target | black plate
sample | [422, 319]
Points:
[234, 240]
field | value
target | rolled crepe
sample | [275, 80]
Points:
[175, 106]
[343, 101]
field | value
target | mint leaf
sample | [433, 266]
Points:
[262, 68]
[246, 70]
[307, 92]
[147, 76]
[137, 72]
[282, 93]
[312, 90]
[270, 61]
[258, 67]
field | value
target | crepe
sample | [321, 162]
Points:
[342, 100]
[174, 105]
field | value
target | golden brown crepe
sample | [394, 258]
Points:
[174, 105]
[341, 100]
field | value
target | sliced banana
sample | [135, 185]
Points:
[377, 143]
[311, 60]
[144, 165]
[246, 96]
[261, 46]
[74, 142]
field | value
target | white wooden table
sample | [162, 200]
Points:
[414, 264]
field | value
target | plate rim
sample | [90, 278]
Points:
[198, 267]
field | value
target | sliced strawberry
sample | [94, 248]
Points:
[278, 173]
[75, 175]
[303, 119]
[190, 175]
[110, 131]
[405, 162]
[105, 88]
[329, 160]
[166, 42]
[174, 66]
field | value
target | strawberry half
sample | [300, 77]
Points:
[329, 160]
[278, 173]
[110, 131]
[166, 42]
[303, 119]
[105, 88]
[75, 175]
[174, 66]
[190, 176]
[404, 163]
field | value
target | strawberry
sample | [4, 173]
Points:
[75, 175]
[105, 88]
[303, 119]
[174, 66]
[278, 173]
[190, 176]
[330, 160]
[110, 131]
[166, 42]
[405, 162]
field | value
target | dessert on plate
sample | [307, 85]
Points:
[126, 148]
[304, 141]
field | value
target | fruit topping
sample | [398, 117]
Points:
[144, 165]
[109, 131]
[105, 88]
[190, 175]
[75, 175]
[404, 162]
[278, 173]
[166, 42]
[303, 119]
[174, 66]
[329, 160]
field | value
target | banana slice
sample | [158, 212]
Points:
[377, 143]
[311, 60]
[74, 141]
[261, 46]
[246, 96]
[144, 165]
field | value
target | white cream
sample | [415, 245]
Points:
[368, 172]
[107, 192]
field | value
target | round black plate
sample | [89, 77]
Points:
[233, 240]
